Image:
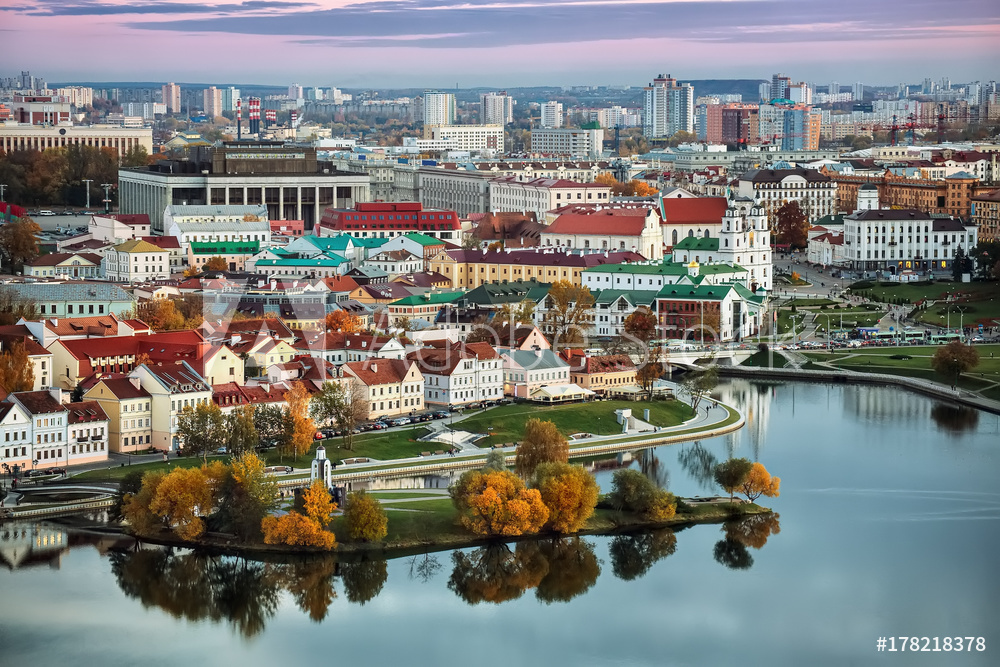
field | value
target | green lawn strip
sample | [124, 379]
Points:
[116, 472]
[432, 505]
[812, 366]
[769, 359]
[598, 418]
[809, 303]
[988, 367]
[389, 496]
[965, 381]
[916, 291]
[992, 393]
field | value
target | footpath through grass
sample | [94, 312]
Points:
[597, 417]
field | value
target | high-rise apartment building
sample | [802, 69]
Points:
[779, 87]
[172, 97]
[295, 92]
[833, 88]
[439, 108]
[800, 93]
[668, 108]
[552, 115]
[859, 91]
[212, 102]
[229, 97]
[496, 108]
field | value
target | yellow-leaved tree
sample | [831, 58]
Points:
[570, 494]
[365, 518]
[498, 503]
[759, 482]
[181, 497]
[135, 506]
[319, 503]
[16, 370]
[297, 530]
[299, 429]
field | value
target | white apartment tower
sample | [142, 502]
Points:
[212, 102]
[668, 108]
[172, 97]
[229, 97]
[552, 115]
[496, 108]
[439, 108]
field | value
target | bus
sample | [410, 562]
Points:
[885, 336]
[941, 339]
[914, 336]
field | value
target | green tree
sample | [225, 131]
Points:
[569, 314]
[700, 383]
[496, 461]
[241, 431]
[732, 474]
[342, 404]
[267, 419]
[961, 264]
[954, 359]
[201, 429]
[633, 491]
[366, 520]
[542, 443]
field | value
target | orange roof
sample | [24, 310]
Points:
[693, 210]
[379, 371]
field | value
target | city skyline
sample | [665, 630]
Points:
[436, 43]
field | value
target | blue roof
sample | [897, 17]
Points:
[81, 292]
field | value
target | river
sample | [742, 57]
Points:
[888, 526]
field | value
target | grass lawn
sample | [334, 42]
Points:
[388, 496]
[769, 359]
[992, 392]
[381, 445]
[432, 505]
[598, 417]
[803, 303]
[978, 299]
[970, 381]
[116, 472]
[785, 320]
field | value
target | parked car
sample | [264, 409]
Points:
[36, 473]
[221, 450]
[45, 211]
[57, 471]
[441, 414]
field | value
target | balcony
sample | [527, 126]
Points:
[82, 438]
[96, 438]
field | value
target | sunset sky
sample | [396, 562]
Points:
[438, 43]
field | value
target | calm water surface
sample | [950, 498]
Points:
[888, 525]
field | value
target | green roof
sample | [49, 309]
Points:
[335, 260]
[695, 292]
[423, 239]
[712, 269]
[637, 297]
[514, 291]
[827, 220]
[225, 247]
[428, 298]
[340, 242]
[748, 295]
[697, 243]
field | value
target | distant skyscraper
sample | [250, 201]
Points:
[833, 88]
[800, 93]
[764, 91]
[859, 91]
[212, 102]
[496, 108]
[295, 91]
[172, 97]
[779, 86]
[552, 115]
[439, 108]
[229, 97]
[668, 108]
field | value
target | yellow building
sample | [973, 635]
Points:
[128, 407]
[393, 387]
[468, 269]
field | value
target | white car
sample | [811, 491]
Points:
[46, 212]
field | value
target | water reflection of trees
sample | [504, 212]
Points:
[954, 418]
[749, 531]
[363, 581]
[633, 555]
[654, 469]
[245, 593]
[558, 570]
[699, 463]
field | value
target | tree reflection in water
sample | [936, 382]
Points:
[749, 531]
[424, 568]
[559, 570]
[633, 555]
[654, 470]
[700, 464]
[197, 587]
[311, 584]
[364, 580]
[954, 418]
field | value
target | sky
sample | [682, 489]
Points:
[441, 43]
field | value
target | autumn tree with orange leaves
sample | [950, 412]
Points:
[181, 498]
[570, 494]
[296, 530]
[299, 427]
[498, 503]
[759, 482]
[342, 321]
[319, 503]
[16, 370]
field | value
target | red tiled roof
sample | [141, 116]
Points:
[379, 371]
[31, 346]
[102, 325]
[693, 210]
[86, 411]
[39, 402]
[833, 239]
[340, 283]
[123, 388]
[599, 222]
[164, 242]
[54, 258]
[129, 218]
